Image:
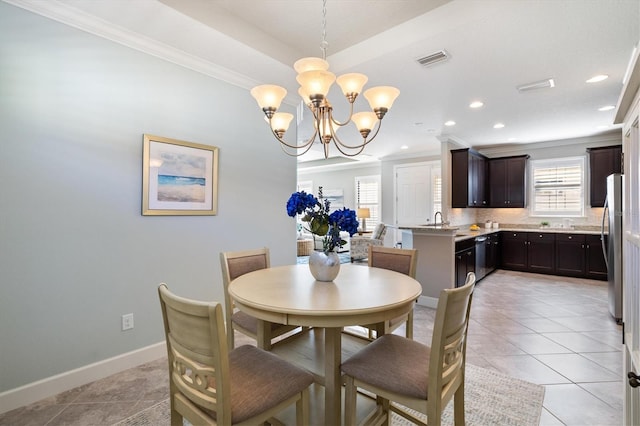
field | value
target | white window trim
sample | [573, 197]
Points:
[583, 186]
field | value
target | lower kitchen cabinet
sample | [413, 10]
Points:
[541, 252]
[528, 251]
[514, 250]
[493, 252]
[465, 258]
[579, 255]
[595, 266]
[573, 255]
[570, 255]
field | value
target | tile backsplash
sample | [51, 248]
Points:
[467, 216]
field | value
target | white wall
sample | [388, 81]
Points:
[76, 253]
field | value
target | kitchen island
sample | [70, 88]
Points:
[436, 264]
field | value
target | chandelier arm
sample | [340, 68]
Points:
[297, 154]
[361, 148]
[306, 144]
[337, 123]
[339, 143]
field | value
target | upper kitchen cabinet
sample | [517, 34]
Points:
[468, 179]
[602, 162]
[507, 181]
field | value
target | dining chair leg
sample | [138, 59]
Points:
[458, 406]
[302, 409]
[350, 395]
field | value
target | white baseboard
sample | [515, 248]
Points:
[53, 385]
[429, 302]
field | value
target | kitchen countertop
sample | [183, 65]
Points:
[464, 233]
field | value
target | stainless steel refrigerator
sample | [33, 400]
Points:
[612, 222]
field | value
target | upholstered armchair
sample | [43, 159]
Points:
[360, 243]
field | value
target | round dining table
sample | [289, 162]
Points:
[290, 295]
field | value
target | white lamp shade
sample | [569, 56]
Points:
[316, 82]
[381, 96]
[281, 120]
[352, 83]
[310, 64]
[364, 120]
[364, 213]
[269, 95]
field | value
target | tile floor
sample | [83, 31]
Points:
[549, 330]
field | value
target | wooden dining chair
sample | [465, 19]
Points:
[235, 264]
[420, 377]
[399, 260]
[210, 385]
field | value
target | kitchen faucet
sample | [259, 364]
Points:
[435, 218]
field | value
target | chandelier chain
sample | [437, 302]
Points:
[324, 44]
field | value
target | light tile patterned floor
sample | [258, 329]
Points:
[548, 330]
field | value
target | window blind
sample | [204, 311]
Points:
[558, 187]
[368, 196]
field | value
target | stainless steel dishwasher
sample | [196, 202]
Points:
[481, 257]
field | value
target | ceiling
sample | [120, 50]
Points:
[493, 46]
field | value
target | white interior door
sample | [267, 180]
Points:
[414, 194]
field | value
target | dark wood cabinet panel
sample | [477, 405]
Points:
[574, 255]
[596, 267]
[570, 255]
[468, 179]
[492, 252]
[541, 252]
[514, 250]
[465, 261]
[602, 162]
[507, 181]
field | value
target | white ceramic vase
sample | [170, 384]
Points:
[324, 267]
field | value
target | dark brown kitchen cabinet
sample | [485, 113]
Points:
[595, 265]
[465, 260]
[514, 250]
[579, 255]
[541, 252]
[570, 255]
[492, 252]
[468, 179]
[528, 251]
[603, 161]
[507, 181]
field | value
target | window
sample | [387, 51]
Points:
[368, 196]
[557, 187]
[306, 186]
[436, 190]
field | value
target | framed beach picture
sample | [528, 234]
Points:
[179, 178]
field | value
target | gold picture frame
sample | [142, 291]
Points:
[179, 178]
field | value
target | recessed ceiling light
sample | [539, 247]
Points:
[606, 108]
[404, 147]
[597, 78]
[498, 126]
[476, 104]
[450, 123]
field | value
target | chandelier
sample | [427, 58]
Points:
[315, 80]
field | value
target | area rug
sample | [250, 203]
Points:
[344, 258]
[491, 398]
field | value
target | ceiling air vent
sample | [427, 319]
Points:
[536, 85]
[433, 58]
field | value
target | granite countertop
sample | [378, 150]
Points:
[464, 233]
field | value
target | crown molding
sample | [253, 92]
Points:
[68, 15]
[610, 138]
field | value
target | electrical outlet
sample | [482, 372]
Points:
[127, 322]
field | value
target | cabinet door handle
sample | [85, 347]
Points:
[570, 237]
[540, 235]
[583, 246]
[587, 245]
